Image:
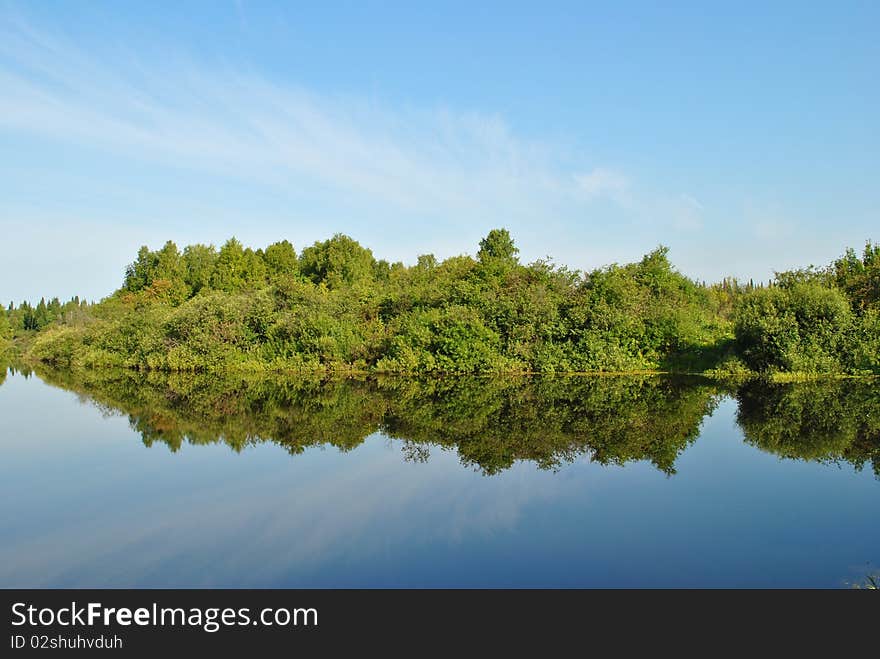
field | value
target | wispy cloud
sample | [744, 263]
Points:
[423, 161]
[769, 221]
[602, 182]
[687, 213]
[261, 159]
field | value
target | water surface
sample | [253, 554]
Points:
[119, 479]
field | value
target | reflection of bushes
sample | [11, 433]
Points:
[201, 409]
[490, 422]
[821, 421]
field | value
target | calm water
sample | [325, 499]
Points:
[122, 480]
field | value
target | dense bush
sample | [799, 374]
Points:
[5, 329]
[335, 307]
[814, 321]
[800, 328]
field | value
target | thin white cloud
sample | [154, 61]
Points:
[418, 161]
[687, 213]
[196, 152]
[602, 182]
[691, 202]
[769, 221]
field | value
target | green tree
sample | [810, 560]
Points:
[800, 327]
[498, 245]
[339, 261]
[168, 265]
[860, 278]
[5, 327]
[338, 308]
[254, 271]
[198, 265]
[139, 274]
[159, 274]
[229, 268]
[281, 259]
[41, 315]
[426, 261]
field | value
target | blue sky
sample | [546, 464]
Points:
[744, 137]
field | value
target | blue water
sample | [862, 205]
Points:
[83, 503]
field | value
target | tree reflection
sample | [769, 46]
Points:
[824, 421]
[490, 422]
[9, 366]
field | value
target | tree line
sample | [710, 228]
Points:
[27, 317]
[334, 307]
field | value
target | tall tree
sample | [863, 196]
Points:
[198, 265]
[281, 259]
[498, 245]
[140, 273]
[237, 268]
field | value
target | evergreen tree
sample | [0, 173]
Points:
[41, 315]
[253, 271]
[139, 275]
[498, 245]
[229, 269]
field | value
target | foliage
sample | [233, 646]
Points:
[858, 278]
[198, 263]
[337, 262]
[490, 422]
[798, 327]
[26, 318]
[828, 421]
[5, 329]
[281, 259]
[804, 325]
[334, 307]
